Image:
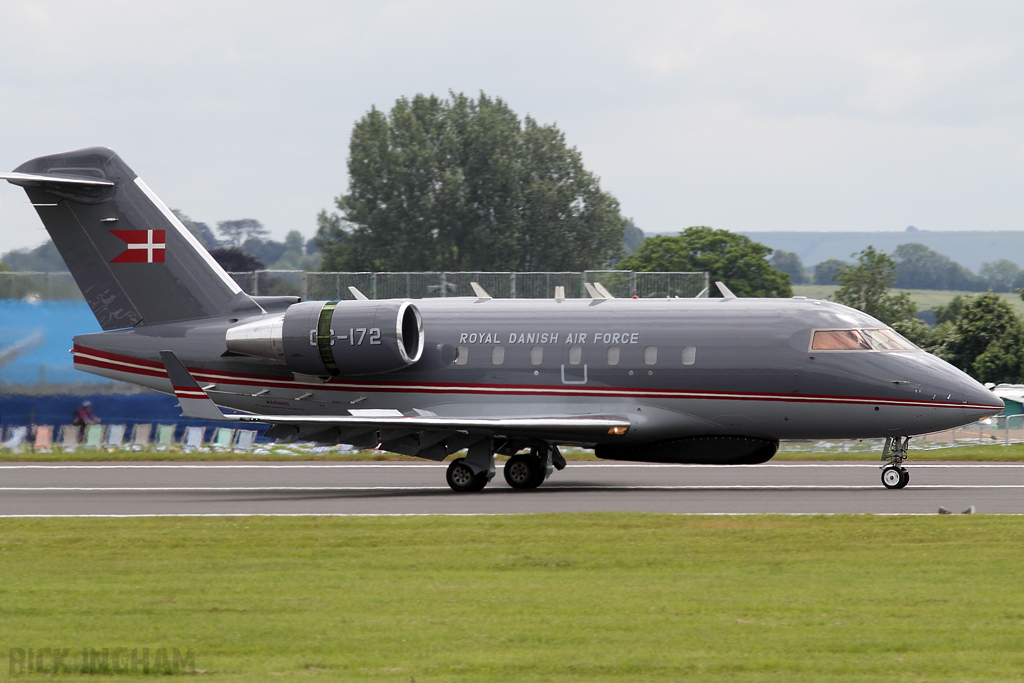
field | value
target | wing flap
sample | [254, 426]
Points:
[195, 402]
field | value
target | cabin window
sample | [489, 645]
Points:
[497, 355]
[461, 355]
[575, 355]
[650, 355]
[613, 355]
[689, 355]
[859, 340]
[536, 355]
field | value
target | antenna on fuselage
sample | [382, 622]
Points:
[726, 294]
[357, 294]
[480, 292]
[593, 292]
[559, 293]
[604, 292]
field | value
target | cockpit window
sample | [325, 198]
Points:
[866, 339]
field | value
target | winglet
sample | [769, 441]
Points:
[194, 402]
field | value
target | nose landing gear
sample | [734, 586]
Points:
[894, 475]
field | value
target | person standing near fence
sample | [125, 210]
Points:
[83, 418]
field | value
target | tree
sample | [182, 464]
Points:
[826, 271]
[789, 263]
[951, 311]
[238, 231]
[267, 251]
[201, 231]
[14, 286]
[1001, 275]
[922, 334]
[464, 184]
[865, 286]
[44, 258]
[234, 260]
[736, 260]
[984, 319]
[918, 267]
[1003, 359]
[632, 237]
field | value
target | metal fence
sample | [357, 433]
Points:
[317, 286]
[503, 285]
[1000, 430]
[49, 286]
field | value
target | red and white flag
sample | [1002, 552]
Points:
[144, 246]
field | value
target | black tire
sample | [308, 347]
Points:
[461, 478]
[892, 478]
[524, 472]
[904, 478]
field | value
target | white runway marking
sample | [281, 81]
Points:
[588, 464]
[710, 487]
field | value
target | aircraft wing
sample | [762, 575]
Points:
[388, 428]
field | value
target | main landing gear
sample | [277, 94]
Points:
[894, 475]
[522, 471]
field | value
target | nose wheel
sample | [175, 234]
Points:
[894, 474]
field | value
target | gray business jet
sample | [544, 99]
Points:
[709, 380]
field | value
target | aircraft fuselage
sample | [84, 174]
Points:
[675, 367]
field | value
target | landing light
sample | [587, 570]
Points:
[617, 431]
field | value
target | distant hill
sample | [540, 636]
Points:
[969, 249]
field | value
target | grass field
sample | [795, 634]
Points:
[593, 597]
[925, 299]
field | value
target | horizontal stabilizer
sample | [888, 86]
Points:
[194, 402]
[25, 179]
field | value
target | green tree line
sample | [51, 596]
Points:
[465, 184]
[916, 266]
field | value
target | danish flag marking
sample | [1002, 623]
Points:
[144, 246]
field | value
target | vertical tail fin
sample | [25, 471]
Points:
[132, 258]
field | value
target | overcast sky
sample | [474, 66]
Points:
[747, 116]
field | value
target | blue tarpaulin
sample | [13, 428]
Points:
[35, 339]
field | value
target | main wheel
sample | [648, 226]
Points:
[461, 478]
[524, 472]
[892, 478]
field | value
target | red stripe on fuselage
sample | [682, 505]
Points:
[129, 364]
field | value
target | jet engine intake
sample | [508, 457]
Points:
[335, 338]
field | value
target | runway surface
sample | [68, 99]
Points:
[108, 489]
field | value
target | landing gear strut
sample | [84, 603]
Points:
[472, 473]
[894, 475]
[522, 471]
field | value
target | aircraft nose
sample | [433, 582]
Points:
[979, 402]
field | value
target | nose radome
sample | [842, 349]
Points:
[980, 402]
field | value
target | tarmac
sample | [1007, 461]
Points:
[390, 488]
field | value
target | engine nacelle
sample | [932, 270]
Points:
[330, 338]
